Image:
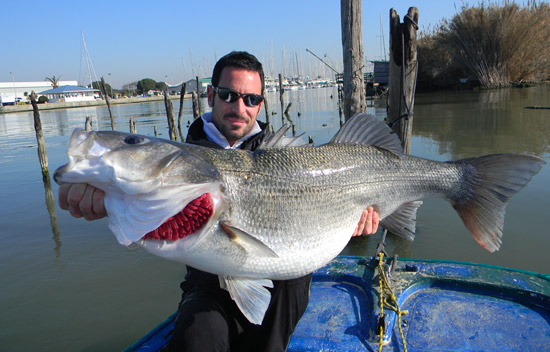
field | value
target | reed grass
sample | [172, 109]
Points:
[492, 44]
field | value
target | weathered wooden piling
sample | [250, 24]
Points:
[199, 95]
[108, 101]
[50, 205]
[133, 128]
[42, 156]
[266, 109]
[180, 112]
[195, 101]
[352, 45]
[403, 72]
[88, 123]
[170, 116]
[281, 98]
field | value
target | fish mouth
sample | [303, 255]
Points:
[186, 222]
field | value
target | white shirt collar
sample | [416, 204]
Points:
[215, 136]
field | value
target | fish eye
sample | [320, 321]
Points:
[133, 140]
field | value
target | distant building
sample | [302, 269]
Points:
[13, 92]
[70, 94]
[191, 86]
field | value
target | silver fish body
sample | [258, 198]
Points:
[280, 213]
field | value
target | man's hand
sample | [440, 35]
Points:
[82, 200]
[368, 223]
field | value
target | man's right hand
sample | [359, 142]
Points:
[82, 200]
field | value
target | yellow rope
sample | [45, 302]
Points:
[388, 299]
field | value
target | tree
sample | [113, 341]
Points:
[97, 85]
[53, 80]
[161, 86]
[146, 85]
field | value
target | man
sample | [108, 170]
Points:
[208, 319]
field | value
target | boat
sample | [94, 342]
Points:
[430, 305]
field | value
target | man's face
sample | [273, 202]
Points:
[235, 120]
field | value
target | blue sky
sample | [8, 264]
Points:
[173, 41]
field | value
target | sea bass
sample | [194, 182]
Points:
[281, 212]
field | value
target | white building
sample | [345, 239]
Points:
[11, 92]
[70, 94]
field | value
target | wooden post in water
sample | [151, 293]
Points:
[195, 101]
[108, 101]
[180, 112]
[170, 116]
[88, 124]
[281, 99]
[352, 44]
[42, 156]
[403, 71]
[266, 109]
[199, 96]
[133, 128]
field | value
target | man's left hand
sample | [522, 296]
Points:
[368, 223]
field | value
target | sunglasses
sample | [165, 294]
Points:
[230, 96]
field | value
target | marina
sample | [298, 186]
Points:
[79, 289]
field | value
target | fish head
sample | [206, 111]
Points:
[131, 163]
[146, 180]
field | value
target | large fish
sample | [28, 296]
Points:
[279, 213]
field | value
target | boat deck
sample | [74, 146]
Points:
[451, 306]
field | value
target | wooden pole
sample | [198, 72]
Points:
[42, 156]
[88, 124]
[403, 70]
[170, 116]
[266, 109]
[199, 96]
[180, 112]
[282, 99]
[108, 101]
[133, 128]
[352, 45]
[195, 101]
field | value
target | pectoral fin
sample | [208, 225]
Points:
[251, 296]
[248, 242]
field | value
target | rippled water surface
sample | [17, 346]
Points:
[66, 284]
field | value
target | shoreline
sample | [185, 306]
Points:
[81, 104]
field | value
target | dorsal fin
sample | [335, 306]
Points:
[279, 140]
[366, 129]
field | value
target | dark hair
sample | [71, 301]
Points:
[238, 59]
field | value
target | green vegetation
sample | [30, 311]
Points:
[97, 85]
[53, 80]
[489, 45]
[146, 85]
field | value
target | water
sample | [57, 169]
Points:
[68, 285]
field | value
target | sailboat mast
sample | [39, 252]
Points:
[89, 63]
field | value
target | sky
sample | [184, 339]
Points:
[173, 41]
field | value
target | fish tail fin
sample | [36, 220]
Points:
[488, 183]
